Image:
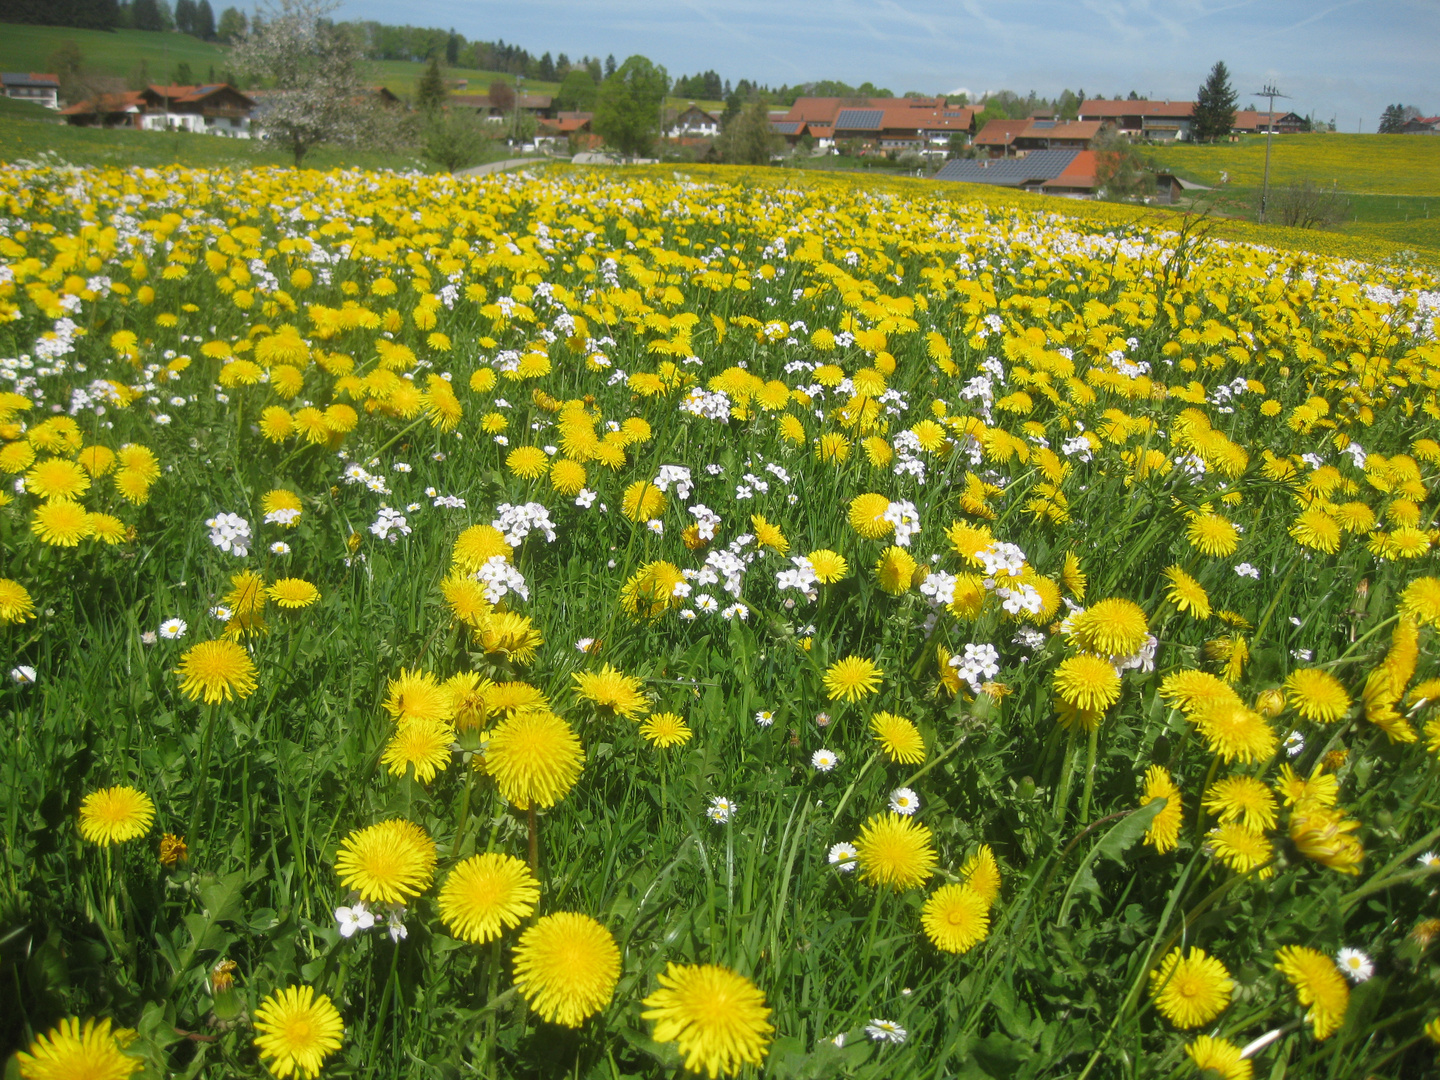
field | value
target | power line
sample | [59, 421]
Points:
[1272, 94]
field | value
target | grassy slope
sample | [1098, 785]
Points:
[1392, 182]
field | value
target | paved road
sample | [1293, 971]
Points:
[499, 166]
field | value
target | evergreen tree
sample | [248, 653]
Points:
[185, 16]
[452, 48]
[183, 75]
[609, 65]
[430, 92]
[145, 15]
[547, 68]
[1392, 119]
[1214, 106]
[204, 21]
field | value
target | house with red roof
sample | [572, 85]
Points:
[1159, 121]
[914, 123]
[1016, 138]
[212, 109]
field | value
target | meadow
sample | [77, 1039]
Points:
[635, 624]
[1391, 183]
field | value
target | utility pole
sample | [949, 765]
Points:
[1272, 94]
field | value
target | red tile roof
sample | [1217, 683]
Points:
[1000, 132]
[1114, 109]
[1080, 173]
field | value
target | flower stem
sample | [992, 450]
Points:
[534, 840]
[1067, 771]
[1089, 773]
[202, 776]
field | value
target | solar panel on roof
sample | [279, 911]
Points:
[1009, 172]
[785, 127]
[860, 119]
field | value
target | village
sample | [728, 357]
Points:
[1042, 153]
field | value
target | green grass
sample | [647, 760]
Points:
[1362, 164]
[27, 48]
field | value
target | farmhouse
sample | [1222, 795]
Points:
[214, 109]
[28, 86]
[878, 123]
[1016, 138]
[694, 123]
[1253, 122]
[540, 106]
[1030, 173]
[1161, 121]
[1422, 125]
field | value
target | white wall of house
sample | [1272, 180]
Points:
[232, 127]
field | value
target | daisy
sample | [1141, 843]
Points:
[824, 760]
[764, 718]
[842, 856]
[173, 629]
[1355, 965]
[721, 809]
[904, 801]
[886, 1031]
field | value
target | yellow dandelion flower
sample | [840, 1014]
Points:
[895, 571]
[485, 895]
[1420, 600]
[97, 460]
[1317, 695]
[387, 863]
[1322, 833]
[466, 598]
[867, 516]
[420, 744]
[832, 447]
[1245, 799]
[1213, 535]
[1187, 594]
[899, 739]
[642, 501]
[1213, 1055]
[534, 757]
[956, 918]
[829, 566]
[61, 523]
[477, 545]
[1240, 848]
[1316, 529]
[622, 694]
[895, 850]
[15, 603]
[650, 591]
[1321, 788]
[852, 678]
[1235, 732]
[1192, 989]
[1164, 831]
[665, 730]
[132, 486]
[1111, 627]
[1072, 577]
[114, 815]
[768, 535]
[417, 695]
[72, 1051]
[216, 671]
[981, 872]
[1318, 983]
[57, 478]
[293, 593]
[527, 462]
[566, 967]
[296, 1029]
[717, 1018]
[567, 477]
[1088, 682]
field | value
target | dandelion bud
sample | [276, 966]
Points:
[1270, 703]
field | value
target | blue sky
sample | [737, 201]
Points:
[1345, 59]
